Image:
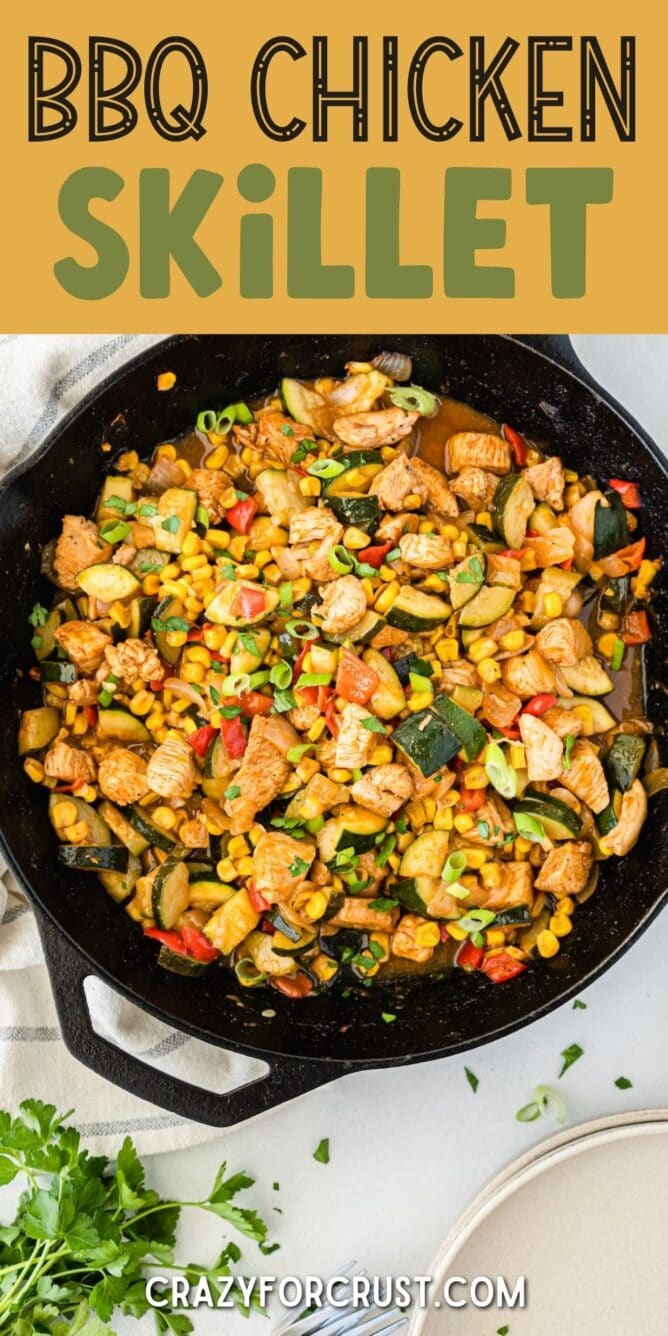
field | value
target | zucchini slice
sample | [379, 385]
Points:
[471, 734]
[123, 828]
[94, 857]
[352, 828]
[175, 518]
[490, 603]
[466, 578]
[97, 829]
[220, 609]
[141, 612]
[426, 855]
[388, 699]
[120, 885]
[171, 892]
[45, 636]
[359, 469]
[424, 895]
[558, 820]
[57, 670]
[517, 917]
[167, 607]
[154, 834]
[606, 820]
[149, 561]
[217, 770]
[614, 595]
[108, 582]
[427, 741]
[115, 484]
[587, 677]
[411, 663]
[610, 527]
[206, 891]
[513, 504]
[281, 495]
[37, 729]
[484, 538]
[115, 722]
[623, 761]
[354, 508]
[413, 610]
[368, 627]
[601, 718]
[303, 404]
[287, 946]
[178, 964]
[543, 518]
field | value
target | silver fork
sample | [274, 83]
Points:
[372, 1321]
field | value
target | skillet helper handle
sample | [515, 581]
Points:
[68, 971]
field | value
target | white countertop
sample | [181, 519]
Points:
[410, 1147]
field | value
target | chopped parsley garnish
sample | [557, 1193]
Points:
[171, 524]
[233, 791]
[249, 643]
[472, 1079]
[299, 867]
[321, 1153]
[372, 724]
[38, 615]
[579, 1006]
[283, 701]
[230, 711]
[388, 1017]
[473, 574]
[623, 1083]
[402, 825]
[287, 429]
[170, 624]
[214, 694]
[569, 743]
[36, 642]
[148, 567]
[483, 829]
[570, 1055]
[383, 904]
[227, 570]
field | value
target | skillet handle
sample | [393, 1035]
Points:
[284, 1080]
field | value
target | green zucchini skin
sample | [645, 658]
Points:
[97, 829]
[115, 722]
[306, 940]
[606, 820]
[427, 740]
[149, 561]
[178, 964]
[361, 511]
[615, 595]
[167, 607]
[471, 734]
[57, 670]
[559, 821]
[490, 603]
[484, 538]
[407, 891]
[120, 885]
[610, 527]
[122, 828]
[37, 729]
[152, 833]
[171, 893]
[283, 925]
[518, 916]
[94, 857]
[368, 627]
[411, 663]
[623, 761]
[141, 612]
[513, 504]
[414, 611]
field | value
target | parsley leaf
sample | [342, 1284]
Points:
[321, 1153]
[215, 695]
[283, 701]
[473, 573]
[374, 725]
[623, 1083]
[579, 1006]
[569, 743]
[38, 615]
[570, 1055]
[171, 524]
[170, 624]
[286, 429]
[472, 1079]
[230, 711]
[299, 867]
[233, 791]
[388, 1017]
[383, 904]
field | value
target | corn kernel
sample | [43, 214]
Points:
[164, 817]
[154, 720]
[404, 841]
[495, 937]
[522, 846]
[517, 756]
[419, 700]
[307, 767]
[513, 641]
[142, 702]
[198, 654]
[128, 461]
[193, 562]
[443, 819]
[387, 596]
[78, 833]
[64, 814]
[34, 770]
[70, 713]
[412, 501]
[316, 906]
[426, 526]
[226, 870]
[476, 858]
[566, 904]
[560, 924]
[489, 671]
[238, 847]
[450, 799]
[244, 866]
[381, 755]
[450, 532]
[458, 934]
[463, 822]
[176, 638]
[317, 729]
[528, 601]
[607, 645]
[150, 584]
[416, 814]
[547, 943]
[475, 777]
[189, 725]
[447, 649]
[553, 605]
[191, 545]
[237, 546]
[429, 805]
[341, 776]
[355, 538]
[217, 457]
[219, 539]
[309, 486]
[427, 935]
[387, 575]
[491, 875]
[583, 712]
[177, 588]
[484, 518]
[459, 547]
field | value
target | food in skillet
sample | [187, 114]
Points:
[313, 705]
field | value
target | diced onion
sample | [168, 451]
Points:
[164, 473]
[397, 365]
[186, 690]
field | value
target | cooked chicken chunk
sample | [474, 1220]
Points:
[210, 485]
[566, 868]
[440, 501]
[391, 527]
[355, 742]
[459, 673]
[281, 495]
[413, 477]
[388, 635]
[502, 570]
[553, 547]
[632, 817]
[124, 555]
[69, 763]
[343, 605]
[500, 706]
[475, 487]
[83, 692]
[563, 722]
[79, 546]
[493, 822]
[586, 776]
[123, 776]
[355, 913]
[547, 482]
[477, 449]
[194, 834]
[313, 534]
[528, 675]
[280, 865]
[405, 943]
[131, 659]
[263, 770]
[274, 434]
[426, 551]
[384, 789]
[516, 888]
[544, 749]
[319, 796]
[302, 716]
[84, 644]
[171, 770]
[364, 431]
[564, 641]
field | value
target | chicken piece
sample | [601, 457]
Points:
[131, 659]
[320, 874]
[553, 547]
[384, 789]
[355, 913]
[477, 449]
[69, 763]
[84, 644]
[264, 770]
[303, 716]
[515, 888]
[475, 487]
[319, 795]
[122, 776]
[547, 481]
[194, 834]
[632, 817]
[500, 706]
[440, 501]
[388, 636]
[280, 865]
[544, 749]
[502, 570]
[459, 673]
[83, 692]
[528, 675]
[313, 534]
[426, 551]
[391, 527]
[493, 822]
[585, 777]
[354, 743]
[563, 722]
[141, 535]
[274, 435]
[404, 940]
[124, 555]
[210, 485]
[564, 641]
[581, 517]
[343, 605]
[365, 431]
[566, 868]
[171, 770]
[79, 546]
[394, 483]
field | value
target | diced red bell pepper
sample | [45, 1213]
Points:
[234, 737]
[567, 565]
[308, 695]
[201, 739]
[512, 733]
[517, 443]
[375, 554]
[195, 634]
[241, 516]
[325, 694]
[539, 704]
[251, 703]
[91, 715]
[294, 985]
[300, 659]
[172, 940]
[471, 799]
[267, 927]
[70, 788]
[633, 554]
[260, 905]
[355, 680]
[502, 967]
[517, 553]
[469, 957]
[156, 684]
[635, 628]
[197, 945]
[533, 533]
[248, 603]
[331, 718]
[628, 491]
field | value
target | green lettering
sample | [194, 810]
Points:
[568, 191]
[466, 233]
[91, 282]
[307, 275]
[386, 276]
[168, 233]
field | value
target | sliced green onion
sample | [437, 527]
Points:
[236, 684]
[453, 867]
[206, 421]
[260, 678]
[302, 630]
[528, 1113]
[459, 892]
[313, 680]
[295, 754]
[114, 531]
[248, 974]
[529, 827]
[280, 675]
[420, 683]
[326, 468]
[341, 560]
[242, 412]
[499, 772]
[413, 399]
[202, 517]
[547, 1099]
[380, 858]
[476, 919]
[314, 824]
[617, 653]
[363, 569]
[108, 690]
[285, 594]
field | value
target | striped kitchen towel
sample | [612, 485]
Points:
[41, 379]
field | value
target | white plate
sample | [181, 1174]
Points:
[584, 1216]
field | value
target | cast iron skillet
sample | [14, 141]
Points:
[535, 384]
